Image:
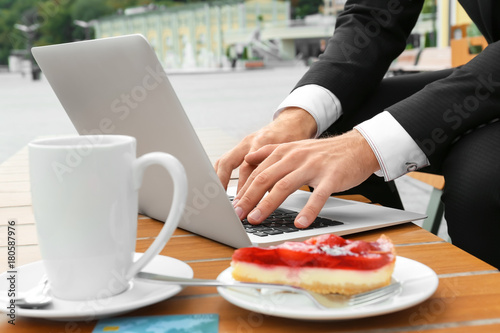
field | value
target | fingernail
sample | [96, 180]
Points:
[239, 212]
[255, 214]
[235, 201]
[302, 222]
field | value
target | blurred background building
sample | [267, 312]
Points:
[211, 35]
[203, 35]
[255, 33]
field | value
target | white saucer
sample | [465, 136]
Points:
[140, 294]
[418, 281]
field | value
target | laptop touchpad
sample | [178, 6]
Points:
[298, 200]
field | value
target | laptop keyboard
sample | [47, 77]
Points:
[281, 221]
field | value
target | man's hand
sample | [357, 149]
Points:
[292, 124]
[329, 165]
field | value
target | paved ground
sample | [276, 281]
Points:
[235, 102]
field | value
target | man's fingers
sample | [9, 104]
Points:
[280, 191]
[245, 171]
[225, 165]
[312, 208]
[224, 173]
[267, 175]
[252, 161]
[278, 131]
[260, 155]
[262, 159]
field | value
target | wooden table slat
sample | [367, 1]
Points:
[467, 298]
[22, 215]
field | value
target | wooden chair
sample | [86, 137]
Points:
[405, 60]
[427, 59]
[432, 59]
[435, 207]
[461, 46]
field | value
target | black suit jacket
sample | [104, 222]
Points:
[370, 34]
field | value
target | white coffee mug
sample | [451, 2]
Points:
[85, 201]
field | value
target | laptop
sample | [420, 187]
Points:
[117, 86]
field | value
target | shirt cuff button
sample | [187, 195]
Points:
[411, 166]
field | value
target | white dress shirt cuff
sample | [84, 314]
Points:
[396, 151]
[318, 101]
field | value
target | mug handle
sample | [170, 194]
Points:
[176, 170]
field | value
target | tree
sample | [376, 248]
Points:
[429, 6]
[11, 13]
[56, 22]
[121, 4]
[88, 10]
[307, 7]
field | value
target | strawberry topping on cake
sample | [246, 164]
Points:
[325, 264]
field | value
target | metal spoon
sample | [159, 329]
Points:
[37, 297]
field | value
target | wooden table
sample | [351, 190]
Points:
[467, 299]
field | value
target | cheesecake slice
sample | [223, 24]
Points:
[324, 264]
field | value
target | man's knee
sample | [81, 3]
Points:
[472, 193]
[472, 169]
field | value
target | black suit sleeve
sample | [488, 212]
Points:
[368, 35]
[444, 110]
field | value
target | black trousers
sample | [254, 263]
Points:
[471, 170]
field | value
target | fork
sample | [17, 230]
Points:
[328, 301]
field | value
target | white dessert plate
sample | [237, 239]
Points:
[141, 292]
[418, 281]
